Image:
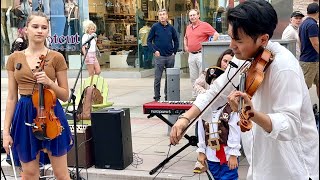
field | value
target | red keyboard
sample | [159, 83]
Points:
[166, 107]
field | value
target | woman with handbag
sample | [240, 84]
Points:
[91, 60]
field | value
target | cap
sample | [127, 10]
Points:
[213, 72]
[313, 8]
[297, 13]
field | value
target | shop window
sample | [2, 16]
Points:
[116, 29]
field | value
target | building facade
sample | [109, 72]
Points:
[118, 24]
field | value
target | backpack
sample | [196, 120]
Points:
[90, 95]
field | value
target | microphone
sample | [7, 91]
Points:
[18, 66]
[93, 35]
[233, 64]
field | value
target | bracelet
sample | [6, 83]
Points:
[184, 117]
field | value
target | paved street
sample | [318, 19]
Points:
[149, 136]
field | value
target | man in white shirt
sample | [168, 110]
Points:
[283, 142]
[291, 31]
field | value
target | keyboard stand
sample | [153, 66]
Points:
[193, 140]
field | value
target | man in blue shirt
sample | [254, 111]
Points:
[164, 43]
[309, 58]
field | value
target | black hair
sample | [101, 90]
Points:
[254, 17]
[228, 51]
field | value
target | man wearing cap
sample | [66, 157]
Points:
[309, 58]
[291, 31]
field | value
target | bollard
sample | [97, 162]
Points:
[173, 91]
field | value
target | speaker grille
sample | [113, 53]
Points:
[111, 130]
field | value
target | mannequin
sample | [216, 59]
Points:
[71, 12]
[43, 5]
[12, 31]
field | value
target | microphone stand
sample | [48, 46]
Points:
[74, 111]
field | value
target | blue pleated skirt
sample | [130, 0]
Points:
[25, 145]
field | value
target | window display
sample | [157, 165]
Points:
[118, 24]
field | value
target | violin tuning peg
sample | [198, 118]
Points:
[251, 114]
[38, 62]
[32, 70]
[37, 67]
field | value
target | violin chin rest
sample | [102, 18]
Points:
[39, 135]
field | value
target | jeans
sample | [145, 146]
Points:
[160, 64]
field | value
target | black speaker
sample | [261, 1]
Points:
[111, 131]
[85, 147]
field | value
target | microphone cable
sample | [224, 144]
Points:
[163, 165]
[136, 160]
[233, 65]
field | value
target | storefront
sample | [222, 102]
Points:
[64, 24]
[118, 25]
[120, 22]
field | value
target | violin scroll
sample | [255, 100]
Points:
[245, 123]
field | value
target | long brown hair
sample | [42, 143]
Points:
[228, 51]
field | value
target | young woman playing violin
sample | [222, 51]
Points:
[23, 117]
[282, 141]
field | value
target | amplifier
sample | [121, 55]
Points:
[85, 147]
[111, 130]
[80, 128]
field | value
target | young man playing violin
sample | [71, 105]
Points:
[283, 142]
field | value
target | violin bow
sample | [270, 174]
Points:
[12, 161]
[213, 100]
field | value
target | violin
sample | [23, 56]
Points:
[46, 125]
[253, 79]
